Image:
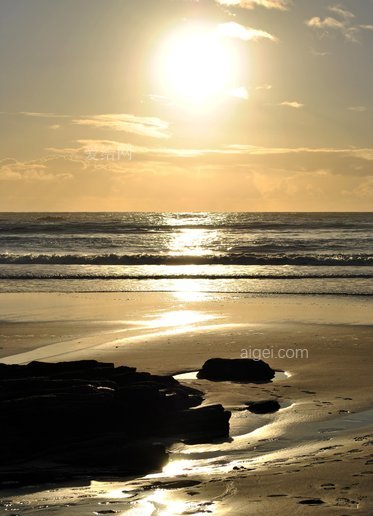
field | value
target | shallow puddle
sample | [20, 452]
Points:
[192, 375]
[346, 421]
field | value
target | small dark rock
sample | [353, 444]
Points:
[263, 407]
[311, 501]
[236, 370]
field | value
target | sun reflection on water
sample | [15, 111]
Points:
[179, 318]
[164, 503]
[192, 242]
[190, 292]
[177, 467]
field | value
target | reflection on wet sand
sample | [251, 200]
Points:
[177, 318]
[175, 322]
[214, 467]
[162, 503]
[260, 447]
[157, 325]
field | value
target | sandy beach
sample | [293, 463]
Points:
[312, 456]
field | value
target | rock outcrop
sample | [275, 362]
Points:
[92, 418]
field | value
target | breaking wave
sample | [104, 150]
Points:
[153, 259]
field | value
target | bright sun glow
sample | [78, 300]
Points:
[196, 66]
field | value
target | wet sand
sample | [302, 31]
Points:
[313, 456]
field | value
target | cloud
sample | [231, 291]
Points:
[236, 30]
[365, 153]
[159, 99]
[144, 126]
[357, 108]
[281, 5]
[326, 23]
[264, 87]
[240, 93]
[319, 53]
[348, 32]
[91, 151]
[152, 127]
[97, 149]
[43, 115]
[7, 161]
[344, 23]
[161, 178]
[47, 169]
[163, 153]
[167, 179]
[341, 11]
[293, 104]
[357, 160]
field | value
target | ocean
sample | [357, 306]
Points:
[260, 253]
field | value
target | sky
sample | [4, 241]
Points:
[185, 105]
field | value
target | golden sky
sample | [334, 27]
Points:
[183, 105]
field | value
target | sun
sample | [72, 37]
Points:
[195, 66]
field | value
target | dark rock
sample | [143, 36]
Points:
[263, 407]
[91, 418]
[236, 370]
[180, 399]
[46, 369]
[312, 501]
[33, 476]
[16, 388]
[199, 425]
[140, 396]
[111, 454]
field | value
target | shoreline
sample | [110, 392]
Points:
[317, 447]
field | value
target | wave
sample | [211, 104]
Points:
[151, 259]
[82, 276]
[51, 227]
[51, 218]
[235, 223]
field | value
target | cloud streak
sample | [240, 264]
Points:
[282, 5]
[164, 153]
[43, 115]
[342, 12]
[143, 126]
[236, 30]
[292, 104]
[152, 127]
